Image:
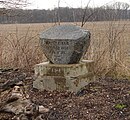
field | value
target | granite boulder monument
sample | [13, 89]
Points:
[64, 46]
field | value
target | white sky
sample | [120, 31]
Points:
[50, 4]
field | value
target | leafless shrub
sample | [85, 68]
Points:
[1, 47]
[109, 50]
[21, 50]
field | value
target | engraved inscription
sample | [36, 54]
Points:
[55, 72]
[61, 49]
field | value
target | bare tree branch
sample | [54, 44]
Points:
[84, 15]
[13, 3]
[59, 12]
[84, 18]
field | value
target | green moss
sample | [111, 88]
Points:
[120, 106]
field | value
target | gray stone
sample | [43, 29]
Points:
[42, 109]
[65, 44]
[17, 101]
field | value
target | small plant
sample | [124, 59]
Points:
[120, 106]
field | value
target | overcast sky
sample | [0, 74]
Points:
[50, 4]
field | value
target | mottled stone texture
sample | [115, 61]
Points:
[65, 44]
[70, 77]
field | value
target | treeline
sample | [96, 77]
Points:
[115, 11]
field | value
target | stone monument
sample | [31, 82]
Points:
[64, 47]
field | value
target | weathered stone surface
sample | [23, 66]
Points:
[70, 77]
[17, 101]
[65, 44]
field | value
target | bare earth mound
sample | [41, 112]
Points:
[106, 99]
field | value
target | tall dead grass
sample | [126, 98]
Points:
[19, 47]
[109, 49]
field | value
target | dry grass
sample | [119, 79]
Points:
[110, 48]
[19, 46]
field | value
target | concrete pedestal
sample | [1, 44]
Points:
[70, 77]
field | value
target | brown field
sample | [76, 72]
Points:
[19, 46]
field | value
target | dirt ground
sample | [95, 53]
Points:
[106, 99]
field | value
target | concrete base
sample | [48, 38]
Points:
[70, 77]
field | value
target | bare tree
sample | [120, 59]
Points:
[121, 9]
[6, 6]
[59, 12]
[13, 3]
[84, 14]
